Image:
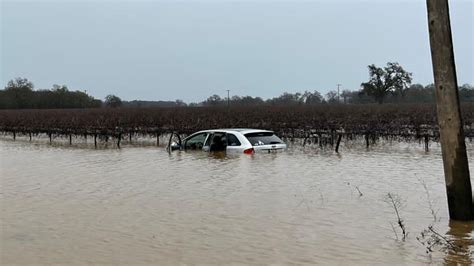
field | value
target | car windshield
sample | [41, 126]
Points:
[263, 138]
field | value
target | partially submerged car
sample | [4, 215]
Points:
[239, 140]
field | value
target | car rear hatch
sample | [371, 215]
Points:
[265, 141]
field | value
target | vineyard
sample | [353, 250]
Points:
[318, 123]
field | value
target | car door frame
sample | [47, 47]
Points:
[207, 144]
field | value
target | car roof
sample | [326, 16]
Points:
[239, 130]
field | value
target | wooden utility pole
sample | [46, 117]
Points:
[338, 97]
[456, 169]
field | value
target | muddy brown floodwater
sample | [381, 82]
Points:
[139, 205]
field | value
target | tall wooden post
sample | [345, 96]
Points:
[456, 169]
[119, 138]
[338, 142]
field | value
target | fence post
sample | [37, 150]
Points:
[453, 147]
[427, 140]
[119, 138]
[338, 142]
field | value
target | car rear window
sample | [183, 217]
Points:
[263, 138]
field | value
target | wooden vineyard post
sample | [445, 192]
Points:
[338, 142]
[427, 145]
[320, 139]
[119, 138]
[453, 147]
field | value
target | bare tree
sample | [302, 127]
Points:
[390, 79]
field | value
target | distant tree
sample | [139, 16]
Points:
[390, 79]
[19, 93]
[255, 100]
[180, 103]
[418, 93]
[287, 99]
[235, 99]
[246, 100]
[346, 96]
[19, 83]
[213, 100]
[59, 88]
[466, 93]
[331, 97]
[312, 97]
[113, 101]
[360, 97]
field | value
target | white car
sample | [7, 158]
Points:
[239, 140]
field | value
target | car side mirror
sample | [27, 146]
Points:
[175, 146]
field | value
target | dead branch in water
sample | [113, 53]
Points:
[430, 202]
[431, 239]
[395, 201]
[394, 231]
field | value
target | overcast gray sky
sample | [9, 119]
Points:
[189, 50]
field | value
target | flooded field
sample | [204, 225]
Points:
[140, 205]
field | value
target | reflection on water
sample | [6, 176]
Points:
[62, 204]
[461, 235]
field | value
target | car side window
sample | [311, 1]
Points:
[232, 140]
[195, 142]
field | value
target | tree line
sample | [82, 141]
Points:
[415, 93]
[19, 94]
[389, 84]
